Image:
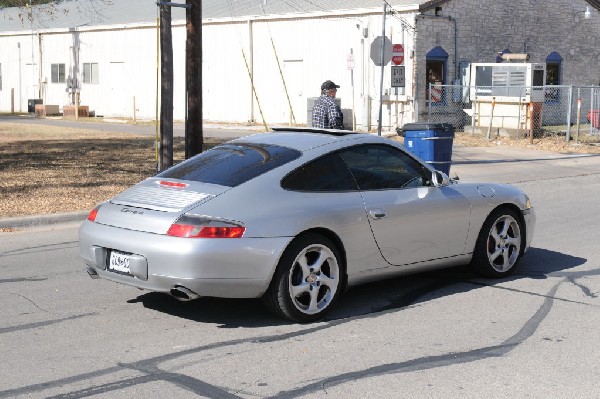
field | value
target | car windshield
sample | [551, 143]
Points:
[231, 164]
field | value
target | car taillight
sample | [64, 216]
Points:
[93, 213]
[222, 232]
[198, 227]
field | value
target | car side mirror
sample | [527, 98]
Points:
[440, 179]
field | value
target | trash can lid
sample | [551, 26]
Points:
[426, 126]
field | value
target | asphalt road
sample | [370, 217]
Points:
[439, 335]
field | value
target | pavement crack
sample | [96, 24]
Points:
[21, 279]
[41, 248]
[40, 324]
[587, 292]
[530, 293]
[27, 299]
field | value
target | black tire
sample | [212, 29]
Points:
[499, 245]
[307, 281]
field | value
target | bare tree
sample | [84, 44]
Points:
[35, 10]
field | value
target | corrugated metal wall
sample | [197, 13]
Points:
[226, 85]
[309, 52]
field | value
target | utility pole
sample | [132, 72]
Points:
[379, 121]
[194, 138]
[166, 89]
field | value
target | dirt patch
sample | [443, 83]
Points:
[588, 144]
[47, 169]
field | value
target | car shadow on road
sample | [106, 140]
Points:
[369, 300]
[228, 313]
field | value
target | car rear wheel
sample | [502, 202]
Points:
[307, 280]
[499, 245]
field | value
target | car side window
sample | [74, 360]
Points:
[328, 173]
[382, 167]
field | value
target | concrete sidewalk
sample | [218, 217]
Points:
[40, 220]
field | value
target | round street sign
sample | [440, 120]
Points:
[398, 54]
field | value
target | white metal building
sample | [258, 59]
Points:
[108, 54]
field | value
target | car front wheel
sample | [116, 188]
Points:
[307, 280]
[499, 244]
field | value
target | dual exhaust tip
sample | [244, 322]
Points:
[178, 292]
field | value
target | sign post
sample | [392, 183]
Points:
[383, 61]
[350, 67]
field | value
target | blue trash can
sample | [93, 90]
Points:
[432, 142]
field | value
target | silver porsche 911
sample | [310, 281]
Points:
[296, 216]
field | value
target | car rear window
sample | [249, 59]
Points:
[232, 164]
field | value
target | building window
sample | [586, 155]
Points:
[58, 73]
[90, 73]
[435, 66]
[553, 76]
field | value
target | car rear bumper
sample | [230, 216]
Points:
[227, 268]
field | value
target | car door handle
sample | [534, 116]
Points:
[377, 213]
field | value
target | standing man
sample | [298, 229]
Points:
[326, 112]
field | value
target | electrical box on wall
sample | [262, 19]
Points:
[508, 82]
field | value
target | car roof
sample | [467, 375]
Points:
[303, 139]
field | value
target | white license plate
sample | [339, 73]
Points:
[119, 262]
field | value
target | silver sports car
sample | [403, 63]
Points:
[296, 216]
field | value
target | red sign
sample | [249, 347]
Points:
[398, 54]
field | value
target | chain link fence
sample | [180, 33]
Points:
[572, 112]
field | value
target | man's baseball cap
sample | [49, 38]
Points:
[328, 84]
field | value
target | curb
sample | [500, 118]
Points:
[40, 220]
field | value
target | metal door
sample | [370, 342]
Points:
[117, 101]
[31, 80]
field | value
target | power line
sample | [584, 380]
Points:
[396, 14]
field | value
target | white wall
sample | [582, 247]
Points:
[226, 85]
[309, 51]
[19, 53]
